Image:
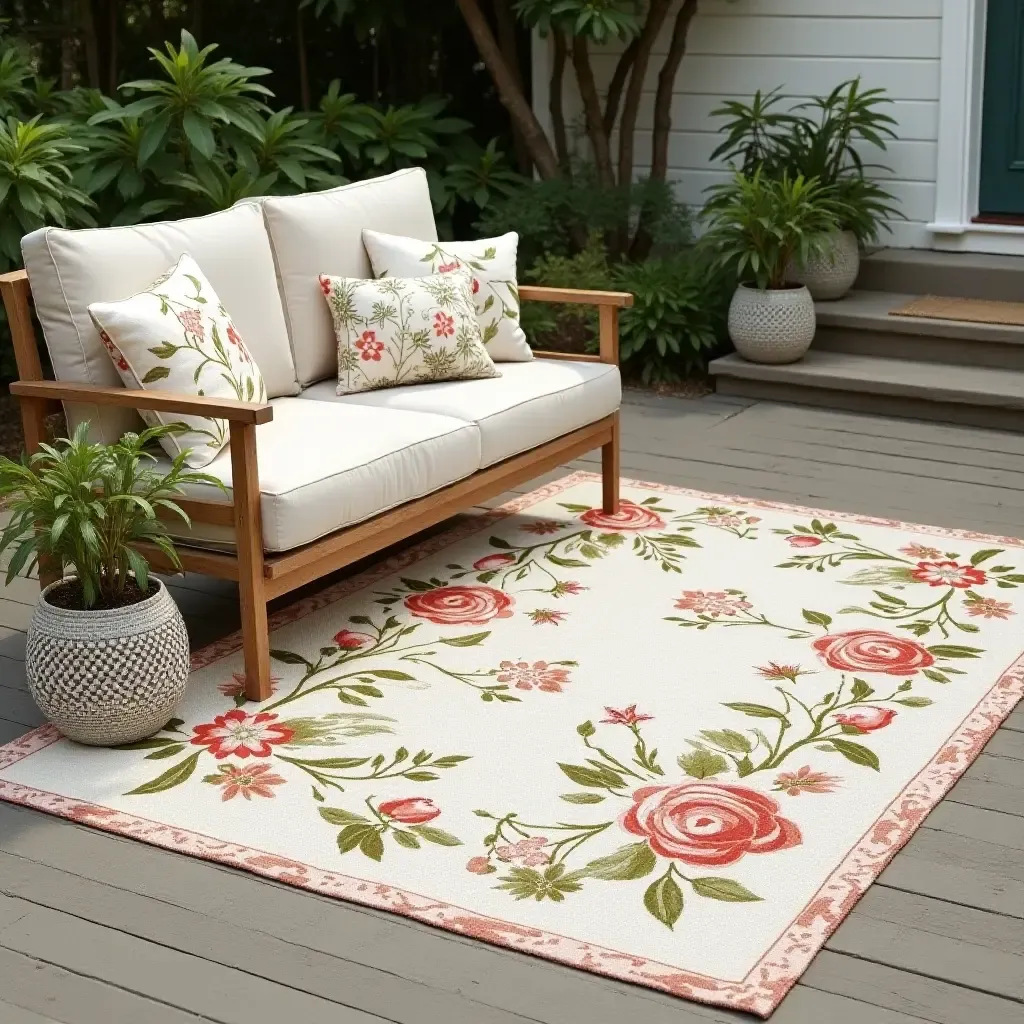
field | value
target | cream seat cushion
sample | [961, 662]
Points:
[69, 270]
[530, 403]
[323, 467]
[321, 233]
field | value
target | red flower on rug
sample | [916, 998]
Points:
[948, 574]
[798, 540]
[524, 676]
[871, 650]
[236, 686]
[629, 517]
[254, 780]
[989, 608]
[413, 810]
[712, 602]
[542, 527]
[241, 735]
[547, 616]
[628, 716]
[528, 852]
[459, 605]
[489, 562]
[866, 718]
[708, 823]
[806, 781]
[921, 551]
[351, 640]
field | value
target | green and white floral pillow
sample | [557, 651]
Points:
[490, 261]
[176, 336]
[397, 331]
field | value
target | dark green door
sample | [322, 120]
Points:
[1002, 129]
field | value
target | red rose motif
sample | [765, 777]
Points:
[489, 562]
[870, 650]
[707, 823]
[241, 735]
[866, 718]
[444, 325]
[463, 606]
[803, 540]
[233, 336]
[413, 810]
[369, 346]
[948, 574]
[629, 517]
[350, 640]
[479, 866]
[325, 285]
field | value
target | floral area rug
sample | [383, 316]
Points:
[672, 746]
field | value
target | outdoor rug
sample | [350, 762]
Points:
[672, 746]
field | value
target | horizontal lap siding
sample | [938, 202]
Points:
[806, 47]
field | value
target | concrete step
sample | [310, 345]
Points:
[861, 324]
[972, 395]
[970, 275]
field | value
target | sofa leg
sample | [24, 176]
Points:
[252, 596]
[610, 470]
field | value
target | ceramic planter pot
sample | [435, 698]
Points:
[773, 326]
[111, 676]
[830, 275]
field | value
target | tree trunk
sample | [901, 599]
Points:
[643, 241]
[512, 97]
[592, 112]
[112, 43]
[87, 20]
[68, 45]
[617, 84]
[556, 99]
[197, 20]
[300, 45]
[508, 43]
[656, 15]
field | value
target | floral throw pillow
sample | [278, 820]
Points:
[176, 336]
[490, 261]
[396, 331]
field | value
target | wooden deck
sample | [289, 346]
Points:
[101, 930]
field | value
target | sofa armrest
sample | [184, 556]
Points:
[250, 413]
[608, 306]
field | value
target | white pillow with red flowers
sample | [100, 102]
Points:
[177, 336]
[397, 331]
[492, 264]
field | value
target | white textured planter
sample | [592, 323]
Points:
[108, 677]
[773, 326]
[832, 274]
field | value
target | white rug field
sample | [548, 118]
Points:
[672, 746]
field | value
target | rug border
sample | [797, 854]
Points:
[765, 985]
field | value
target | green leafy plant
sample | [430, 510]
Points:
[285, 144]
[820, 138]
[758, 224]
[87, 506]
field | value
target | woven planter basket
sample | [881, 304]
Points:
[108, 677]
[774, 326]
[832, 274]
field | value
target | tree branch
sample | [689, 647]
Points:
[592, 111]
[509, 46]
[556, 99]
[512, 97]
[617, 84]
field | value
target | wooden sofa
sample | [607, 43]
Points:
[547, 414]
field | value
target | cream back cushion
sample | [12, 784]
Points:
[69, 270]
[322, 233]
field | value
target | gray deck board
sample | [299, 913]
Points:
[98, 928]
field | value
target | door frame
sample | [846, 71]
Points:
[958, 158]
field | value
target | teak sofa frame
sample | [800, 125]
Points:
[262, 577]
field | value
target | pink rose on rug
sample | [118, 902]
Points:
[866, 719]
[528, 852]
[479, 866]
[712, 602]
[255, 780]
[489, 562]
[707, 823]
[629, 517]
[525, 676]
[948, 574]
[871, 650]
[803, 540]
[351, 640]
[241, 735]
[413, 810]
[463, 606]
[989, 608]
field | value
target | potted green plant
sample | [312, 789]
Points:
[758, 226]
[822, 138]
[107, 656]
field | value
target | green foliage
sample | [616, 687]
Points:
[821, 138]
[597, 20]
[87, 505]
[757, 224]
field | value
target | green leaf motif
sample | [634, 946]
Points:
[352, 835]
[724, 889]
[410, 842]
[702, 764]
[817, 618]
[372, 845]
[914, 702]
[174, 776]
[288, 658]
[337, 816]
[155, 374]
[436, 835]
[980, 556]
[757, 711]
[592, 778]
[390, 673]
[856, 753]
[627, 863]
[664, 900]
[728, 739]
[955, 651]
[582, 798]
[473, 640]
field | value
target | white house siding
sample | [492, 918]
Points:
[807, 47]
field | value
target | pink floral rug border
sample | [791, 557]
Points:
[764, 987]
